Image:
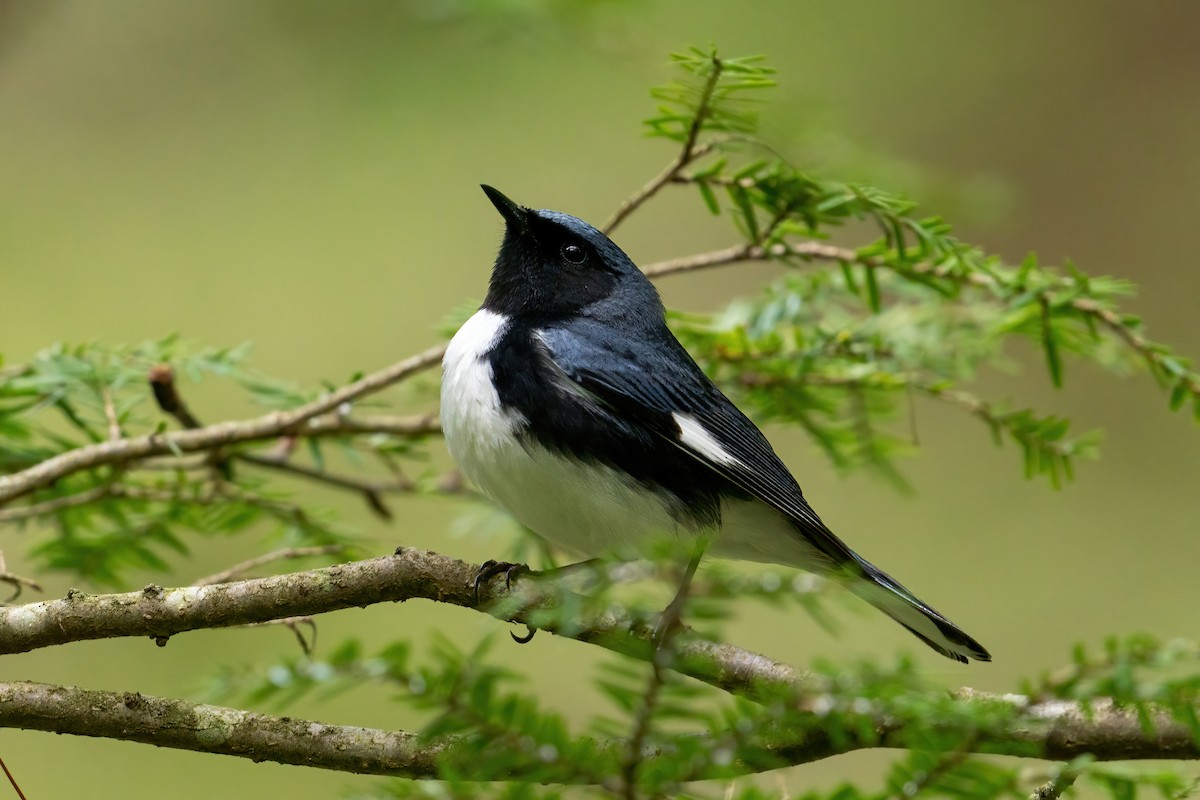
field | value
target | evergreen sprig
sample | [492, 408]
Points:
[837, 350]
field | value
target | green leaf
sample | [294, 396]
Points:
[709, 197]
[873, 297]
[1050, 346]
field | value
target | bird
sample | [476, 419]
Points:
[567, 400]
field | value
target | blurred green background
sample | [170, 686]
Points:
[304, 175]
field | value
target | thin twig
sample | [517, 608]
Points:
[174, 464]
[371, 490]
[714, 180]
[825, 252]
[660, 661]
[144, 493]
[240, 569]
[293, 624]
[322, 427]
[330, 426]
[634, 755]
[110, 414]
[11, 780]
[986, 412]
[652, 187]
[57, 504]
[736, 254]
[18, 582]
[268, 426]
[341, 425]
[1111, 320]
[690, 152]
[1054, 788]
[166, 394]
[716, 258]
[956, 397]
[945, 763]
[221, 493]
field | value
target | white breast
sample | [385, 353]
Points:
[478, 431]
[587, 508]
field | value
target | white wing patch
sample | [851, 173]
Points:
[694, 436]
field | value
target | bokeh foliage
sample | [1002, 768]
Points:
[837, 347]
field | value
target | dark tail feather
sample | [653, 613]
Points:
[889, 596]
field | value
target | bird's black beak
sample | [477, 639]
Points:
[516, 216]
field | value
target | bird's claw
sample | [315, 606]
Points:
[488, 570]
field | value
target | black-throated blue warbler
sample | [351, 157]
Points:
[567, 400]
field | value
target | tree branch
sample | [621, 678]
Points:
[715, 258]
[690, 153]
[371, 491]
[298, 422]
[1053, 729]
[819, 251]
[1054, 788]
[409, 574]
[744, 252]
[57, 504]
[978, 407]
[177, 724]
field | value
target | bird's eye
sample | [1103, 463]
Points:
[573, 253]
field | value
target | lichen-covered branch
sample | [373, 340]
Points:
[409, 574]
[166, 722]
[178, 724]
[1052, 729]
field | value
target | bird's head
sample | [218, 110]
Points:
[552, 266]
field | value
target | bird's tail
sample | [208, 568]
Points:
[889, 596]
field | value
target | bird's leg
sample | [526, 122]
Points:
[672, 617]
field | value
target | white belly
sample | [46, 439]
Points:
[753, 531]
[587, 508]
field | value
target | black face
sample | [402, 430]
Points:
[551, 265]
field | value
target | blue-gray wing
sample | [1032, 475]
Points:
[651, 382]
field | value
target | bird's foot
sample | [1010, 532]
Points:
[490, 569]
[670, 622]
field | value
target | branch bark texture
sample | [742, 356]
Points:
[182, 725]
[1055, 729]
